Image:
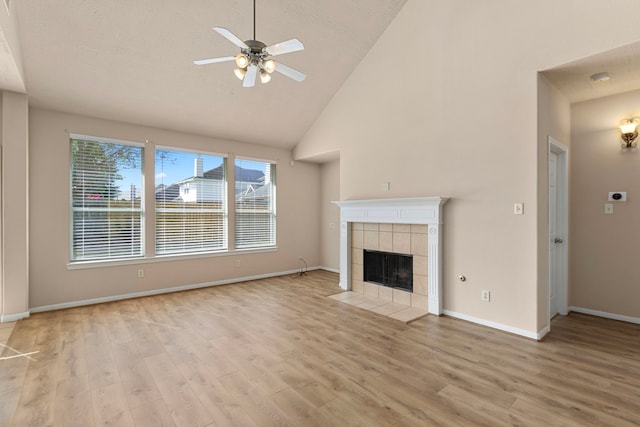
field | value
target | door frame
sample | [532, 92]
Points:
[562, 227]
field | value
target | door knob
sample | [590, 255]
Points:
[557, 240]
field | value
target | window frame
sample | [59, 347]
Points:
[147, 201]
[224, 211]
[273, 205]
[73, 209]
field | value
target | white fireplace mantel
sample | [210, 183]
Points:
[418, 210]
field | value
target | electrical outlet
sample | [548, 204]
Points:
[238, 263]
[140, 274]
[486, 296]
[608, 208]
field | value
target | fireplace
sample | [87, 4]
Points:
[404, 221]
[388, 269]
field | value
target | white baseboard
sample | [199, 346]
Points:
[155, 292]
[6, 318]
[495, 325]
[605, 314]
[544, 331]
[332, 270]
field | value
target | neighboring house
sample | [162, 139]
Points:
[209, 186]
[260, 196]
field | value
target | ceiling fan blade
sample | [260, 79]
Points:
[214, 60]
[231, 37]
[250, 77]
[290, 72]
[289, 46]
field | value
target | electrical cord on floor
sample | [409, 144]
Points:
[303, 269]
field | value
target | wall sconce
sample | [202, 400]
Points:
[628, 131]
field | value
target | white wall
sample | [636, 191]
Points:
[604, 275]
[51, 282]
[446, 104]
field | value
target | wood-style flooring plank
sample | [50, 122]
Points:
[183, 404]
[278, 352]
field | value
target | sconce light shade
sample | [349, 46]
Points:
[628, 131]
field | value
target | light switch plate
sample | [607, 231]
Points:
[518, 208]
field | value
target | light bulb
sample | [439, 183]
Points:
[270, 65]
[264, 76]
[629, 125]
[240, 72]
[242, 60]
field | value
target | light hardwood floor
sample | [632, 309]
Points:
[278, 352]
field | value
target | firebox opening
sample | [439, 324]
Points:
[389, 269]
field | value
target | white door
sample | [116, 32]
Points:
[554, 238]
[558, 225]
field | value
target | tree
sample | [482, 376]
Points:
[95, 169]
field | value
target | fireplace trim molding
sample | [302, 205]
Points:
[415, 210]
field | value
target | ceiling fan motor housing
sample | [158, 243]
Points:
[256, 49]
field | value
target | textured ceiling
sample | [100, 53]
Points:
[573, 79]
[132, 61]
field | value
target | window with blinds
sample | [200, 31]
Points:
[255, 206]
[106, 199]
[191, 202]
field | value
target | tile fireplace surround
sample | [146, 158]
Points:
[384, 215]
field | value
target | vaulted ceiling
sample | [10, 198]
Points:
[132, 61]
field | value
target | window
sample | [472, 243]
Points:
[191, 202]
[106, 199]
[255, 204]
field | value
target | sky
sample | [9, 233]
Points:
[174, 166]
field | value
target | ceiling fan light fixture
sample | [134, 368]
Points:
[242, 60]
[256, 57]
[270, 66]
[265, 77]
[240, 72]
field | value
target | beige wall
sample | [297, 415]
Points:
[554, 120]
[330, 216]
[51, 282]
[446, 104]
[14, 190]
[604, 275]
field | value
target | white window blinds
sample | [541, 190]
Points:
[255, 206]
[191, 202]
[106, 199]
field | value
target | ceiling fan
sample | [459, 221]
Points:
[255, 57]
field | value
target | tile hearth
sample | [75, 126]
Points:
[401, 312]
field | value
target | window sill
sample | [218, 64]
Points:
[81, 265]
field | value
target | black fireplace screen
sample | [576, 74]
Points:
[389, 269]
